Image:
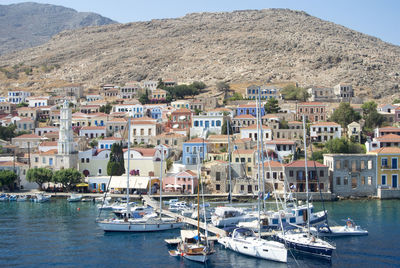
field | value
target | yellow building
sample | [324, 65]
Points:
[246, 158]
[388, 171]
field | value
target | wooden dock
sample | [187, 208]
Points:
[210, 228]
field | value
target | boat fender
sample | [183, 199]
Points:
[217, 235]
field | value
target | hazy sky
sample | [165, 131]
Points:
[379, 18]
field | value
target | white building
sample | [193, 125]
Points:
[37, 102]
[135, 110]
[142, 129]
[282, 147]
[18, 96]
[107, 143]
[93, 97]
[93, 132]
[94, 162]
[325, 131]
[181, 104]
[250, 132]
[343, 92]
[150, 85]
[207, 123]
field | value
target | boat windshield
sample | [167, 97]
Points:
[242, 233]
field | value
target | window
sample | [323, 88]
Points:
[187, 149]
[384, 162]
[369, 164]
[100, 170]
[237, 159]
[248, 169]
[249, 189]
[36, 159]
[242, 159]
[241, 187]
[337, 180]
[291, 173]
[362, 180]
[362, 164]
[44, 160]
[218, 176]
[217, 187]
[354, 183]
[87, 160]
[394, 163]
[249, 160]
[345, 181]
[383, 179]
[337, 164]
[369, 180]
[321, 173]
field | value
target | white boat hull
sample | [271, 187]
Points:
[198, 258]
[268, 250]
[337, 231]
[121, 226]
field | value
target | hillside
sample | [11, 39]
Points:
[29, 24]
[271, 45]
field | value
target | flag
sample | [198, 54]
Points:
[260, 195]
[196, 237]
[267, 196]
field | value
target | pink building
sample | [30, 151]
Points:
[182, 182]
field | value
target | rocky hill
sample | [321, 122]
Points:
[30, 24]
[253, 45]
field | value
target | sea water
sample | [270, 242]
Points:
[65, 234]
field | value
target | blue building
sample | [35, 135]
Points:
[156, 113]
[249, 109]
[267, 92]
[194, 149]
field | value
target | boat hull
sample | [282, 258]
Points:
[259, 250]
[197, 257]
[138, 227]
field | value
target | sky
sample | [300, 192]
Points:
[373, 17]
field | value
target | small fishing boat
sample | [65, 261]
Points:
[40, 198]
[22, 198]
[74, 198]
[192, 248]
[13, 197]
[350, 229]
[4, 198]
[228, 216]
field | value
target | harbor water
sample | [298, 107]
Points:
[65, 234]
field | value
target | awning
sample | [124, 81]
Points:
[83, 184]
[134, 183]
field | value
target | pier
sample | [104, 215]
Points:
[210, 228]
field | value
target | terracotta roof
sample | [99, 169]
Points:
[146, 151]
[11, 163]
[312, 103]
[301, 163]
[295, 122]
[196, 140]
[389, 138]
[281, 141]
[325, 124]
[189, 172]
[111, 139]
[116, 119]
[249, 105]
[254, 126]
[93, 128]
[182, 110]
[49, 152]
[244, 116]
[48, 143]
[389, 129]
[243, 151]
[273, 164]
[218, 137]
[23, 119]
[387, 150]
[28, 136]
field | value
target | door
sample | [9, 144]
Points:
[394, 181]
[207, 124]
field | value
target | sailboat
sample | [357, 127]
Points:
[244, 240]
[191, 247]
[304, 242]
[147, 223]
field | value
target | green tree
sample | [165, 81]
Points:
[7, 178]
[8, 132]
[22, 104]
[272, 107]
[224, 87]
[39, 175]
[93, 143]
[197, 111]
[345, 114]
[236, 96]
[160, 84]
[291, 92]
[343, 146]
[371, 116]
[199, 85]
[116, 165]
[224, 128]
[106, 108]
[144, 98]
[67, 177]
[283, 124]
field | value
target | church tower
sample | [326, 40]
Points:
[66, 137]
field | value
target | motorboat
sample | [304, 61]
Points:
[178, 206]
[171, 201]
[192, 248]
[40, 198]
[4, 198]
[207, 214]
[145, 224]
[271, 220]
[12, 197]
[228, 216]
[135, 212]
[105, 197]
[350, 229]
[22, 198]
[244, 241]
[305, 243]
[75, 198]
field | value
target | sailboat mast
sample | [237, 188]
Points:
[161, 178]
[258, 168]
[198, 197]
[305, 158]
[229, 162]
[262, 146]
[128, 207]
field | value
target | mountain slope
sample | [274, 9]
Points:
[265, 45]
[29, 24]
